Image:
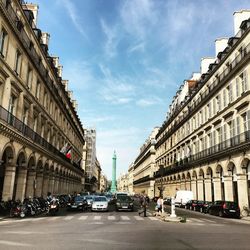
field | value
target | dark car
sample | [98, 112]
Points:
[206, 206]
[78, 203]
[191, 204]
[225, 208]
[124, 202]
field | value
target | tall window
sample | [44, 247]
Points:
[3, 42]
[35, 123]
[218, 103]
[18, 62]
[29, 78]
[230, 92]
[38, 87]
[225, 94]
[25, 115]
[12, 104]
[45, 99]
[243, 81]
[232, 128]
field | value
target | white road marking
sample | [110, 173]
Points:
[138, 218]
[96, 223]
[83, 217]
[210, 221]
[196, 220]
[111, 217]
[152, 218]
[37, 219]
[125, 217]
[97, 217]
[122, 222]
[53, 218]
[68, 217]
[12, 243]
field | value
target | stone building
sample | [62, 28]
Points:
[144, 167]
[122, 183]
[41, 134]
[203, 145]
[131, 179]
[103, 183]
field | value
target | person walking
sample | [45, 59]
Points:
[144, 207]
[159, 204]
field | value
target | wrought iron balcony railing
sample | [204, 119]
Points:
[27, 132]
[237, 143]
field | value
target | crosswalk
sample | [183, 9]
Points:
[91, 219]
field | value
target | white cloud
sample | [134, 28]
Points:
[72, 11]
[112, 41]
[146, 102]
[138, 47]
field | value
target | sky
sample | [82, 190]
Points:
[125, 60]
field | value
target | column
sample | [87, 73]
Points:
[182, 185]
[208, 190]
[228, 188]
[56, 184]
[193, 188]
[217, 188]
[9, 180]
[51, 184]
[39, 185]
[30, 183]
[21, 184]
[45, 188]
[200, 189]
[242, 190]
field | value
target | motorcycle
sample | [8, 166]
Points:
[53, 206]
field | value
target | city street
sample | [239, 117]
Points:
[123, 230]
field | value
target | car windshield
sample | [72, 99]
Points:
[79, 198]
[88, 197]
[124, 198]
[100, 199]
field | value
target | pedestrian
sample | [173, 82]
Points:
[159, 204]
[144, 207]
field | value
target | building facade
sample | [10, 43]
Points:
[41, 134]
[203, 145]
[144, 167]
[103, 183]
[122, 183]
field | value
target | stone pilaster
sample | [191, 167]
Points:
[21, 184]
[45, 185]
[193, 188]
[242, 190]
[208, 190]
[51, 184]
[200, 189]
[217, 188]
[228, 188]
[9, 180]
[30, 188]
[39, 185]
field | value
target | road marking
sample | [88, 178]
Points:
[53, 218]
[97, 217]
[122, 222]
[196, 220]
[12, 243]
[37, 219]
[96, 223]
[68, 217]
[111, 217]
[211, 221]
[125, 218]
[152, 218]
[83, 217]
[138, 218]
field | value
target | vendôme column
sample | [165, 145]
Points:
[113, 185]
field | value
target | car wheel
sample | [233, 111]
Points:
[210, 212]
[220, 213]
[201, 210]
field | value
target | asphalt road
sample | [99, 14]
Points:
[123, 230]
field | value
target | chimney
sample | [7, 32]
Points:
[60, 68]
[32, 7]
[240, 16]
[205, 62]
[45, 38]
[220, 45]
[75, 105]
[70, 94]
[56, 61]
[65, 84]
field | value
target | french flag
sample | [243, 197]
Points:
[68, 154]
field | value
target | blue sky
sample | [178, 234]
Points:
[125, 60]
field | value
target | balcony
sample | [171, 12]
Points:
[235, 144]
[143, 179]
[29, 133]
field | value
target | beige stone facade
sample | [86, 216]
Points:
[122, 183]
[144, 167]
[103, 183]
[204, 142]
[38, 119]
[131, 179]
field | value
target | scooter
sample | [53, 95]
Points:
[53, 206]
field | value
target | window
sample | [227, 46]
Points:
[25, 115]
[29, 78]
[218, 103]
[38, 87]
[230, 92]
[232, 128]
[238, 87]
[35, 123]
[12, 103]
[45, 99]
[243, 81]
[3, 42]
[18, 62]
[225, 94]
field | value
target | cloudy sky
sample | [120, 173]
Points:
[125, 60]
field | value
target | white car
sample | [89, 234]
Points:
[100, 203]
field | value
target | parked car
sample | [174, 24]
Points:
[89, 199]
[167, 201]
[225, 208]
[124, 202]
[78, 203]
[206, 206]
[100, 203]
[191, 204]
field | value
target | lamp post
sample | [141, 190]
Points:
[161, 188]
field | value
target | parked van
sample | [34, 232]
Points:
[182, 197]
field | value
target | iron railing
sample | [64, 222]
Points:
[233, 144]
[28, 132]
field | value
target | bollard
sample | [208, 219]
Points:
[173, 215]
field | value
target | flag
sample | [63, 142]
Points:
[64, 148]
[68, 154]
